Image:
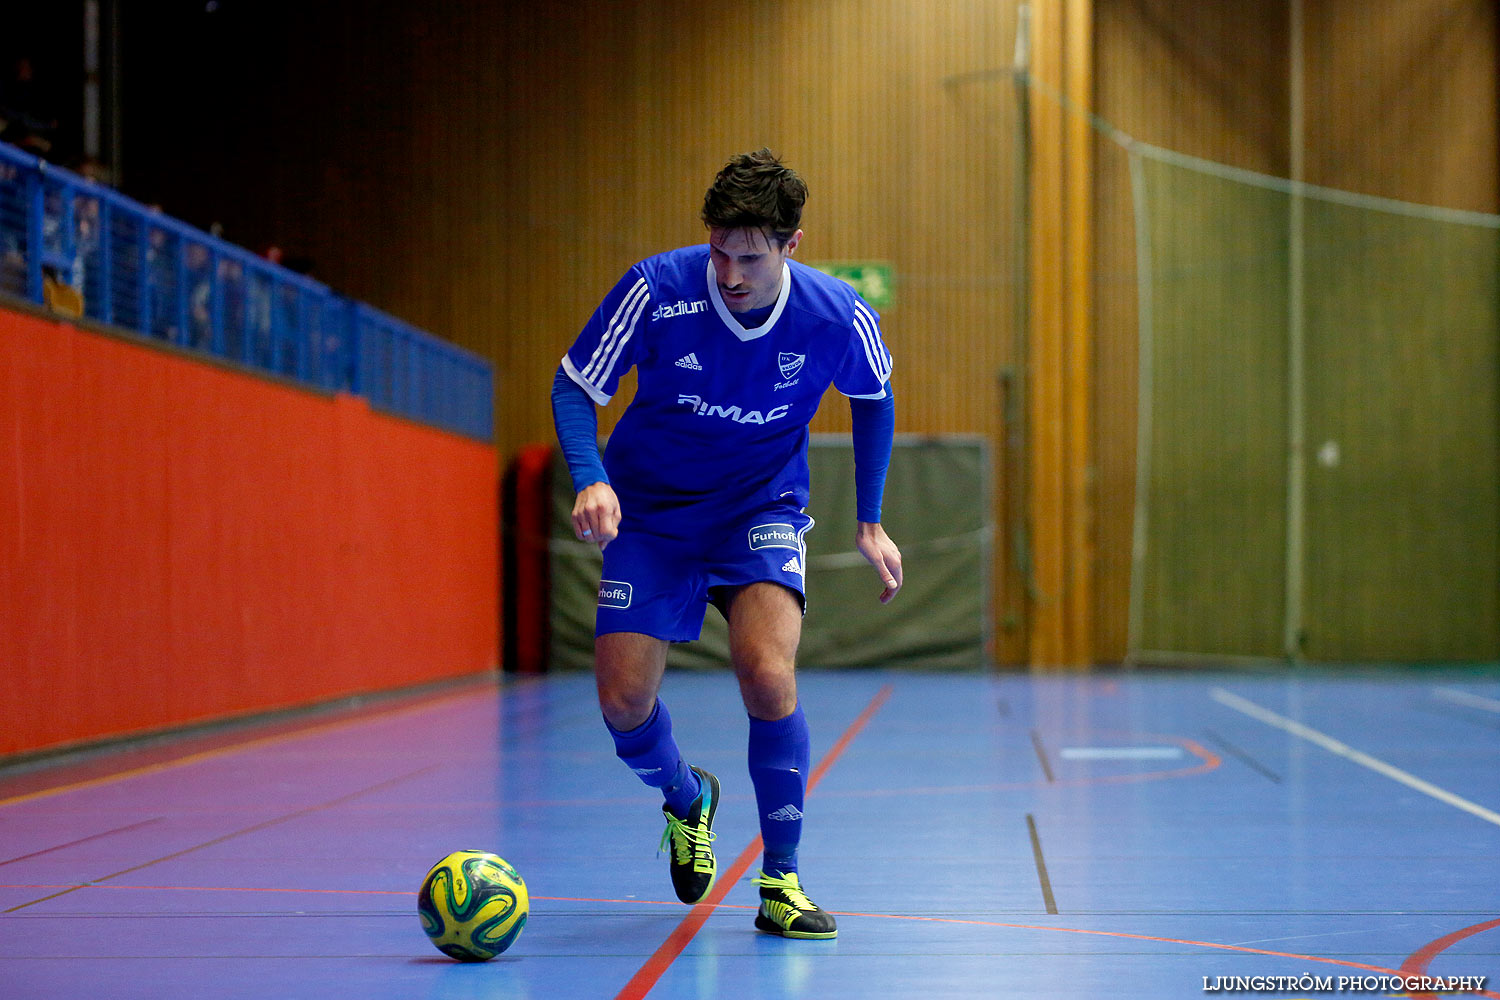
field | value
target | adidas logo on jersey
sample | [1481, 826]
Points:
[689, 361]
[786, 814]
[793, 565]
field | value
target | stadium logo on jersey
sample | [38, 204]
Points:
[792, 565]
[774, 536]
[689, 361]
[703, 408]
[679, 308]
[790, 364]
[614, 594]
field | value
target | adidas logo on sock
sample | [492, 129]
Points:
[689, 361]
[644, 771]
[792, 565]
[786, 813]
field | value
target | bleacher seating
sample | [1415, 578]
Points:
[80, 248]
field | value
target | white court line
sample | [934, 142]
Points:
[1465, 698]
[1120, 753]
[1359, 757]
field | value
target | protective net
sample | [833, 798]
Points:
[1317, 447]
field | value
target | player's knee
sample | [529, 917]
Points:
[625, 709]
[769, 688]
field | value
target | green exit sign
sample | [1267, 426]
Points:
[874, 280]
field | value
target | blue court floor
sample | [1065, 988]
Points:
[1109, 835]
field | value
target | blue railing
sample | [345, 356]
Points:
[83, 247]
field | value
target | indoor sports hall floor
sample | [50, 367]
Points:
[1110, 835]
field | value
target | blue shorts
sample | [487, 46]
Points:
[661, 584]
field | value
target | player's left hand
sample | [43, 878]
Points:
[879, 551]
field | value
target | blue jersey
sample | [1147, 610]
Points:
[719, 419]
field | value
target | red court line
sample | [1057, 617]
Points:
[661, 960]
[297, 731]
[1417, 964]
[302, 891]
[215, 888]
[1188, 941]
[267, 824]
[1414, 966]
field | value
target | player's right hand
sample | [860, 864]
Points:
[596, 514]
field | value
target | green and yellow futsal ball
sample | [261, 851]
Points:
[473, 905]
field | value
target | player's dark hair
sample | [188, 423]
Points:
[756, 191]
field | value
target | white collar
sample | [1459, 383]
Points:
[728, 317]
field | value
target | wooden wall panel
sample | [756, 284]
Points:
[630, 110]
[488, 170]
[1401, 100]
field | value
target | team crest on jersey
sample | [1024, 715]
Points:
[790, 364]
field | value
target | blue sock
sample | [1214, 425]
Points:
[650, 751]
[779, 755]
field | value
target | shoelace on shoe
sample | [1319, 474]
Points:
[687, 842]
[789, 886]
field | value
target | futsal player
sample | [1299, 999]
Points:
[701, 493]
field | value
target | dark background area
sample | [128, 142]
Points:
[51, 37]
[279, 124]
[201, 83]
[203, 88]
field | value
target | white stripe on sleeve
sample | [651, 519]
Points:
[629, 329]
[869, 335]
[573, 373]
[621, 324]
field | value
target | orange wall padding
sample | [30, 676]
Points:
[183, 542]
